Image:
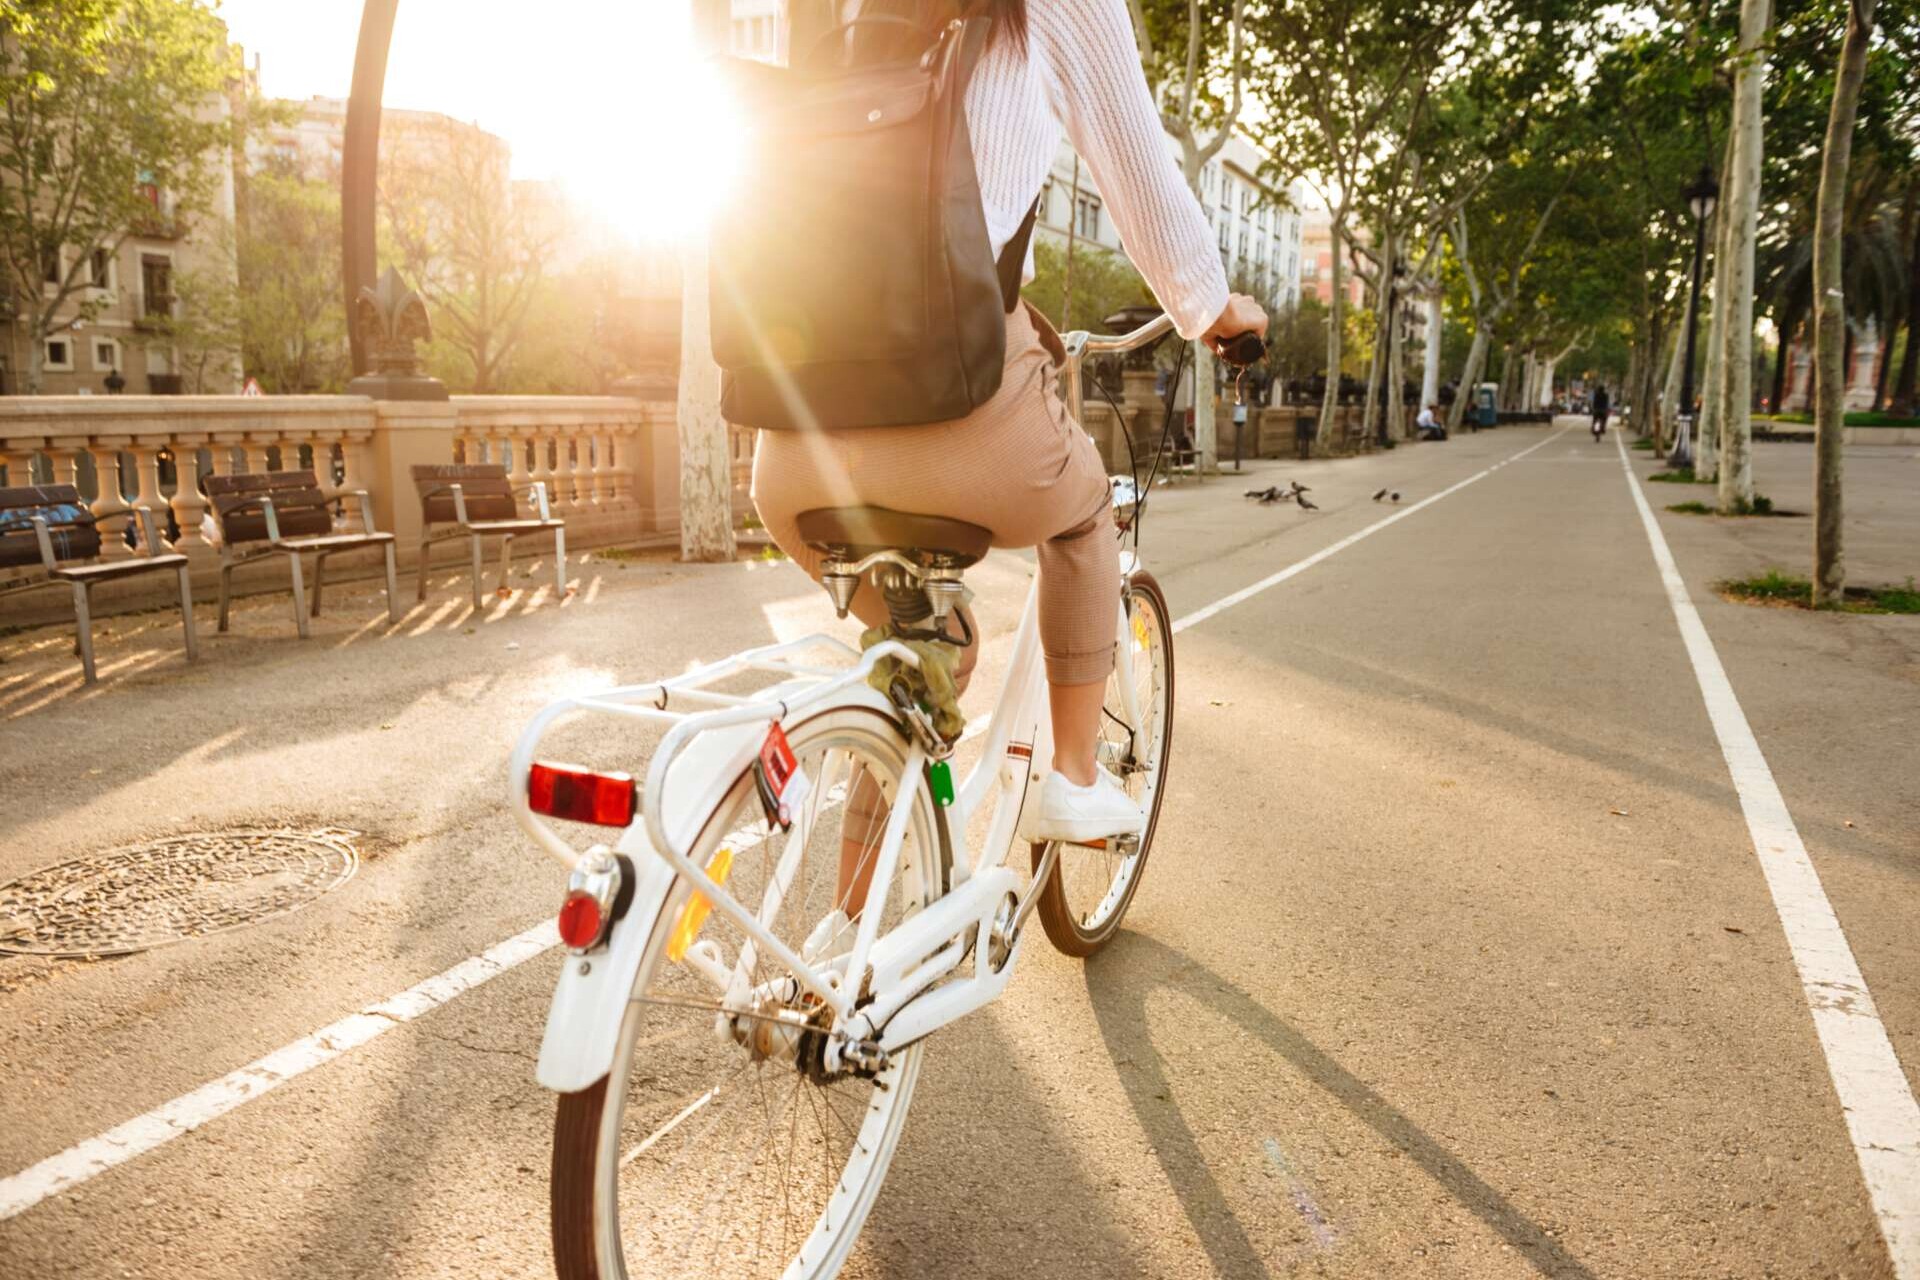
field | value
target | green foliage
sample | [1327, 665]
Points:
[1297, 340]
[1103, 283]
[1694, 508]
[292, 307]
[1680, 475]
[109, 121]
[1863, 418]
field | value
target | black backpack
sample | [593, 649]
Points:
[851, 279]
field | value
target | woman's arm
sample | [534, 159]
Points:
[1088, 47]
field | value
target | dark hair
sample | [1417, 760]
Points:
[1009, 17]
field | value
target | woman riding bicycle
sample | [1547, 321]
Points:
[1019, 465]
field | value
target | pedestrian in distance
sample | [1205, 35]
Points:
[1600, 407]
[1428, 424]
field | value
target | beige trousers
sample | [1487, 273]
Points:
[1018, 466]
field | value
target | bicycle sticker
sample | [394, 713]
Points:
[782, 783]
[1140, 641]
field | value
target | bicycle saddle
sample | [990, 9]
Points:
[863, 530]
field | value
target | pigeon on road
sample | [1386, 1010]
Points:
[1379, 494]
[1300, 496]
[1266, 496]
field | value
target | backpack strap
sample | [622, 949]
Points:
[1013, 258]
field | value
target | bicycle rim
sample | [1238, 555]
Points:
[698, 1156]
[1091, 887]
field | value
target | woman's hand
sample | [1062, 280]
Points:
[1242, 315]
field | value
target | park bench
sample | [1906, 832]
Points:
[48, 528]
[477, 501]
[285, 513]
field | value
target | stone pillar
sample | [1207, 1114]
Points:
[406, 433]
[655, 460]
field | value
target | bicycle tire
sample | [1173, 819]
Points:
[588, 1240]
[1070, 926]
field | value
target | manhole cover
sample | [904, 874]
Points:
[148, 895]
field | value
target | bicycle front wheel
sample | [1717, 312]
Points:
[716, 1147]
[1091, 886]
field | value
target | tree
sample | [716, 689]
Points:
[111, 122]
[293, 327]
[1830, 311]
[1103, 282]
[1188, 110]
[472, 250]
[1734, 425]
[1297, 340]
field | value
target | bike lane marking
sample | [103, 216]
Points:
[87, 1159]
[1883, 1119]
[1301, 566]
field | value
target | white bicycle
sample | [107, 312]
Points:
[798, 899]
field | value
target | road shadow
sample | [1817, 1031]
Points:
[987, 1183]
[1122, 978]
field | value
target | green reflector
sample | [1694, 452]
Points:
[942, 779]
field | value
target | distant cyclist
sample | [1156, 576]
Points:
[1600, 406]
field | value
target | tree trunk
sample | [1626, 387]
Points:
[1645, 424]
[1706, 458]
[1469, 376]
[1670, 406]
[1743, 201]
[1430, 371]
[706, 474]
[1830, 311]
[1336, 317]
[1884, 356]
[1780, 371]
[1903, 391]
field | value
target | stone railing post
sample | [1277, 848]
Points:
[189, 505]
[406, 433]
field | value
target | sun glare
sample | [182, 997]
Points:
[673, 147]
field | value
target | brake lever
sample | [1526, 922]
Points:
[1248, 348]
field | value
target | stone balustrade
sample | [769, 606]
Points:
[610, 464]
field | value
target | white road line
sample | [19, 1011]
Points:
[188, 1112]
[210, 1101]
[1301, 566]
[1882, 1117]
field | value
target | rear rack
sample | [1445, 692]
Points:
[707, 710]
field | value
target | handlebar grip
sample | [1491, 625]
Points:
[1243, 350]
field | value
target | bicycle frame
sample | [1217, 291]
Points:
[889, 974]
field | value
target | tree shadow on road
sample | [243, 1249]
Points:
[1121, 979]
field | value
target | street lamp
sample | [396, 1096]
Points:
[1700, 200]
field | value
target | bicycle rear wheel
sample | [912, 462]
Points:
[710, 1150]
[1091, 886]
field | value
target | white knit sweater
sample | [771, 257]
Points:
[1081, 68]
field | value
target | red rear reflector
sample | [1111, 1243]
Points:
[604, 799]
[580, 921]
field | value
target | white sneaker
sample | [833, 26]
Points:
[1076, 814]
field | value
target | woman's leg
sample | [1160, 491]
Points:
[1079, 594]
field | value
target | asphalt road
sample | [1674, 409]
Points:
[1453, 958]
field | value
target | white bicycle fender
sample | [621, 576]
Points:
[590, 1002]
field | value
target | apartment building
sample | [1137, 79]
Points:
[1316, 272]
[1257, 227]
[130, 290]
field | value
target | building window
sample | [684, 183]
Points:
[1046, 202]
[106, 354]
[1223, 235]
[102, 269]
[59, 355]
[50, 264]
[156, 283]
[1088, 222]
